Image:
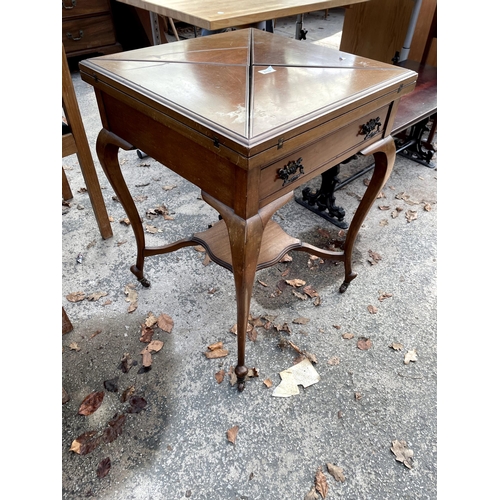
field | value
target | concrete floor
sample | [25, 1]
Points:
[177, 446]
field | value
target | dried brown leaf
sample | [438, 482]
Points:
[396, 346]
[372, 309]
[295, 282]
[403, 453]
[216, 345]
[268, 382]
[232, 433]
[150, 320]
[85, 443]
[154, 346]
[334, 361]
[336, 471]
[410, 356]
[165, 322]
[147, 359]
[104, 467]
[301, 320]
[127, 393]
[96, 296]
[137, 404]
[320, 483]
[217, 353]
[76, 296]
[311, 495]
[146, 334]
[411, 215]
[347, 336]
[309, 290]
[114, 429]
[91, 403]
[364, 343]
[219, 376]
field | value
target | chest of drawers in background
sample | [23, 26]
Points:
[88, 28]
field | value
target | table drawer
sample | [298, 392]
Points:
[292, 170]
[87, 33]
[77, 8]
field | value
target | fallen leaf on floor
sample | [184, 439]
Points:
[169, 187]
[396, 346]
[219, 376]
[206, 260]
[347, 336]
[410, 356]
[302, 373]
[427, 207]
[311, 494]
[411, 215]
[125, 221]
[295, 282]
[403, 453]
[146, 334]
[384, 207]
[104, 467]
[154, 346]
[111, 385]
[268, 382]
[91, 403]
[216, 351]
[384, 295]
[96, 296]
[364, 343]
[76, 296]
[232, 433]
[132, 297]
[383, 222]
[65, 396]
[336, 471]
[137, 404]
[125, 363]
[74, 346]
[301, 296]
[165, 322]
[152, 229]
[335, 360]
[150, 320]
[372, 309]
[114, 429]
[85, 443]
[406, 198]
[309, 290]
[147, 359]
[320, 483]
[286, 258]
[127, 393]
[97, 332]
[357, 396]
[301, 320]
[375, 257]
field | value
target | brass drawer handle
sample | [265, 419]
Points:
[73, 5]
[288, 172]
[369, 128]
[71, 37]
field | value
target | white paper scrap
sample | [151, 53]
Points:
[302, 373]
[269, 69]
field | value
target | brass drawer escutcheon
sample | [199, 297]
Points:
[288, 172]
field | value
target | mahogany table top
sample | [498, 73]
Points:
[247, 85]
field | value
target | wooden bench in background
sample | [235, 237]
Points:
[412, 136]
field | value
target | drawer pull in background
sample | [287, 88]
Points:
[70, 36]
[73, 5]
[288, 172]
[369, 128]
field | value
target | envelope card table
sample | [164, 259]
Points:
[247, 116]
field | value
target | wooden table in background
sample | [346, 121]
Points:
[213, 15]
[247, 116]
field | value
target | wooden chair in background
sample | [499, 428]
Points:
[74, 140]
